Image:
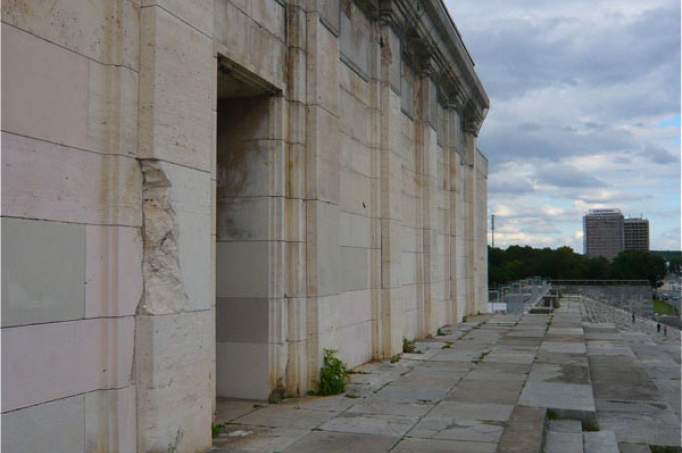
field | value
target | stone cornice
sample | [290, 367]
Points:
[438, 50]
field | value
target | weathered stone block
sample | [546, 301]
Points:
[242, 269]
[47, 289]
[44, 89]
[110, 420]
[322, 155]
[322, 61]
[113, 275]
[48, 361]
[174, 364]
[47, 181]
[175, 123]
[270, 14]
[107, 32]
[242, 371]
[323, 251]
[197, 13]
[252, 168]
[242, 319]
[54, 426]
[112, 109]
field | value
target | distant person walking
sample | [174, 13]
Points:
[658, 327]
[633, 317]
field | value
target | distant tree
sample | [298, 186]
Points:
[634, 265]
[517, 262]
[596, 268]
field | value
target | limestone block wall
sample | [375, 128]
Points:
[71, 217]
[169, 237]
[481, 238]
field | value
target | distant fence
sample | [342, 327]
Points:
[578, 282]
[519, 296]
[634, 296]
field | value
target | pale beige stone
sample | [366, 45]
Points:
[197, 13]
[44, 89]
[113, 271]
[44, 362]
[48, 289]
[174, 365]
[46, 181]
[53, 426]
[110, 420]
[112, 109]
[175, 55]
[105, 31]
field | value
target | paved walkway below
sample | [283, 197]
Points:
[505, 383]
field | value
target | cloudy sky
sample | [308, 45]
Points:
[585, 113]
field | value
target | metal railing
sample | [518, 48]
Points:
[518, 296]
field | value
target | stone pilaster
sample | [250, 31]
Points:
[174, 328]
[321, 182]
[297, 382]
[391, 313]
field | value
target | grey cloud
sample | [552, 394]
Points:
[503, 184]
[659, 155]
[575, 78]
[565, 176]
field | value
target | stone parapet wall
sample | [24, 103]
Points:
[167, 236]
[596, 311]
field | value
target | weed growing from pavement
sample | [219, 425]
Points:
[333, 374]
[408, 346]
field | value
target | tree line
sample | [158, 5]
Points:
[516, 263]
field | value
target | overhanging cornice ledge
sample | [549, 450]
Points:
[432, 20]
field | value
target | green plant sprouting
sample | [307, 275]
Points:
[333, 374]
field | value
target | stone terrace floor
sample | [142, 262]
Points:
[563, 382]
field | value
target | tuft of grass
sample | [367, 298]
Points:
[440, 332]
[217, 429]
[408, 346]
[333, 374]
[395, 358]
[662, 308]
[447, 345]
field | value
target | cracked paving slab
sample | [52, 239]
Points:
[483, 388]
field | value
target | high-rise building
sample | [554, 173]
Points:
[603, 233]
[636, 234]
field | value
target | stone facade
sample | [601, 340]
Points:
[200, 196]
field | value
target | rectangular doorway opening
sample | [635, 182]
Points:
[246, 154]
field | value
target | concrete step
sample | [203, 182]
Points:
[565, 426]
[633, 448]
[524, 432]
[564, 436]
[558, 442]
[600, 442]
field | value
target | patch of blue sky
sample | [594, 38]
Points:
[670, 122]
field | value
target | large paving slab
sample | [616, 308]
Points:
[560, 442]
[600, 442]
[412, 445]
[381, 424]
[248, 438]
[486, 387]
[493, 391]
[558, 396]
[524, 432]
[332, 442]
